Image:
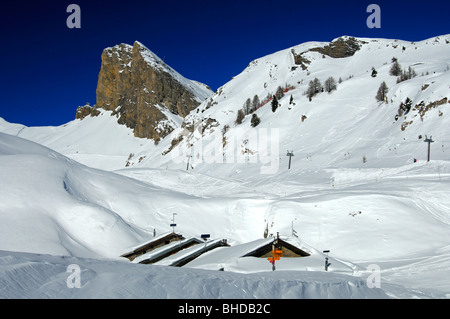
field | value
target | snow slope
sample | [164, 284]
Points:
[341, 127]
[98, 142]
[69, 211]
[53, 205]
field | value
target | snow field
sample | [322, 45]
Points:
[83, 218]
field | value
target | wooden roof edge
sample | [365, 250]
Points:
[167, 250]
[295, 249]
[186, 259]
[154, 240]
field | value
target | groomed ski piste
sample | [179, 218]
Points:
[359, 186]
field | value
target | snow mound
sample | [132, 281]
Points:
[51, 204]
[40, 276]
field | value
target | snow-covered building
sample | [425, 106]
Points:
[175, 249]
[171, 249]
[264, 249]
[252, 256]
[156, 242]
[184, 256]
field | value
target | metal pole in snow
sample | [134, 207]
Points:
[429, 141]
[294, 233]
[290, 154]
[273, 258]
[326, 259]
[187, 166]
[173, 222]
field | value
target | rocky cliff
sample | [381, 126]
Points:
[145, 93]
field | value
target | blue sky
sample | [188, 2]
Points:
[48, 70]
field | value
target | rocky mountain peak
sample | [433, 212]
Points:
[144, 93]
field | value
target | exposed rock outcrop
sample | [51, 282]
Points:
[86, 110]
[146, 94]
[342, 47]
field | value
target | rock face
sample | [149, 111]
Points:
[342, 47]
[146, 94]
[86, 110]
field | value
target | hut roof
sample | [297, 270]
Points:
[256, 248]
[186, 255]
[162, 252]
[150, 245]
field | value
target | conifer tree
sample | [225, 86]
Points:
[314, 87]
[280, 93]
[317, 86]
[255, 120]
[247, 106]
[374, 72]
[240, 117]
[274, 103]
[330, 84]
[310, 92]
[396, 68]
[382, 91]
[255, 103]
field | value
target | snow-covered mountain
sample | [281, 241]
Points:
[353, 187]
[144, 93]
[340, 128]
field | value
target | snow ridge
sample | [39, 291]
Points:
[199, 90]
